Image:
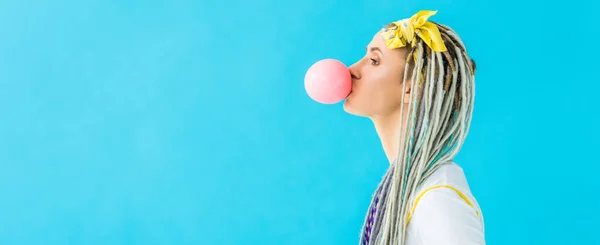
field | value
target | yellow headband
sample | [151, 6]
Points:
[403, 32]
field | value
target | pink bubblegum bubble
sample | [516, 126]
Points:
[328, 81]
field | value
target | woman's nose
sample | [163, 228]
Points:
[354, 71]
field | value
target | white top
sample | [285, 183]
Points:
[445, 211]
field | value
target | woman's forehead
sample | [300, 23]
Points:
[377, 41]
[378, 44]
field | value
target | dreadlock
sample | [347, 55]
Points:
[439, 117]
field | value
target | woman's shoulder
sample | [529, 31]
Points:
[444, 208]
[449, 176]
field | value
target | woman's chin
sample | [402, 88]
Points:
[347, 104]
[348, 107]
[351, 107]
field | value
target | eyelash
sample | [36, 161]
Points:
[373, 61]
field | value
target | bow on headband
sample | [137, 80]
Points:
[404, 32]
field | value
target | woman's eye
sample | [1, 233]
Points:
[374, 62]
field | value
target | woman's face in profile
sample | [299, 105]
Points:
[377, 80]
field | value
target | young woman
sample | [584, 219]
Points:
[416, 83]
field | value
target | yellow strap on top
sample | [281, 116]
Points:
[463, 196]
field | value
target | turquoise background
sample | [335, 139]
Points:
[186, 122]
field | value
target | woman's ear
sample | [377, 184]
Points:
[408, 89]
[407, 93]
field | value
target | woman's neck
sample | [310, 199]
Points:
[388, 129]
